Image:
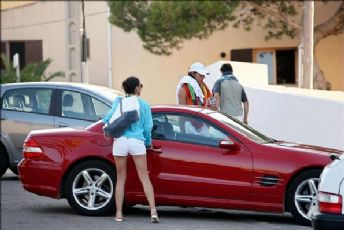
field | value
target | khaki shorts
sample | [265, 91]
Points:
[124, 146]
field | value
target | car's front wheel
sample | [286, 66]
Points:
[90, 187]
[302, 196]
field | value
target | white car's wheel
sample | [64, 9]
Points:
[90, 188]
[302, 196]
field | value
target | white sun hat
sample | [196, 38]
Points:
[199, 68]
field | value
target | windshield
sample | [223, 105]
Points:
[241, 128]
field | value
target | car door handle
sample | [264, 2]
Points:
[3, 118]
[155, 150]
[63, 125]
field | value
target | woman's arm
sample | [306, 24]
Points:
[111, 111]
[147, 124]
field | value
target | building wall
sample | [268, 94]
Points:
[165, 71]
[96, 29]
[38, 21]
[153, 68]
[330, 51]
[159, 74]
[13, 4]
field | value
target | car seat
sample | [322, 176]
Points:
[163, 130]
[67, 104]
[19, 102]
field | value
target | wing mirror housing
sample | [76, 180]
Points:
[228, 144]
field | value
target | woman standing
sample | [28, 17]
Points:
[134, 142]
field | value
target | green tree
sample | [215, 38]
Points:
[30, 73]
[163, 25]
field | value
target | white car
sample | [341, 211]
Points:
[330, 211]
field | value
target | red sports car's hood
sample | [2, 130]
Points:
[307, 148]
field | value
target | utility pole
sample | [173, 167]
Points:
[72, 37]
[84, 68]
[109, 40]
[307, 45]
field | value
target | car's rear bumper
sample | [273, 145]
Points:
[40, 178]
[322, 221]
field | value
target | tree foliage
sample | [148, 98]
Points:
[278, 18]
[30, 73]
[163, 25]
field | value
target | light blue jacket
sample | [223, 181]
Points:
[140, 129]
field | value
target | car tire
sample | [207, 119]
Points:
[90, 188]
[301, 196]
[3, 161]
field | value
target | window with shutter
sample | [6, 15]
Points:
[33, 51]
[243, 55]
[2, 51]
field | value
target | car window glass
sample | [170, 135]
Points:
[78, 106]
[31, 100]
[186, 129]
[241, 128]
[100, 108]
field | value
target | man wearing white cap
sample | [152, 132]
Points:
[191, 90]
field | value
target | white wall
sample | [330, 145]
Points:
[297, 117]
[247, 73]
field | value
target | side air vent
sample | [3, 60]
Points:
[268, 180]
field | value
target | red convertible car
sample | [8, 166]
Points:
[200, 158]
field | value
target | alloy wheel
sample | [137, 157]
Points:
[306, 197]
[92, 188]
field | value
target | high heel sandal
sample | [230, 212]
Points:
[119, 217]
[154, 217]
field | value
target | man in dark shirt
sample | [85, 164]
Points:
[229, 94]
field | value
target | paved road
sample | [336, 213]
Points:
[21, 210]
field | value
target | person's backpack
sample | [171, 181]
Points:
[119, 125]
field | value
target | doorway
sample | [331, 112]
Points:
[281, 65]
[285, 65]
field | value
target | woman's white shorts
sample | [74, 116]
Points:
[123, 146]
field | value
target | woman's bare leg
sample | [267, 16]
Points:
[141, 167]
[121, 168]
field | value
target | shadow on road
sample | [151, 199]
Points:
[215, 214]
[11, 177]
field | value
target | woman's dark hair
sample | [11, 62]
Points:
[226, 68]
[129, 85]
[192, 74]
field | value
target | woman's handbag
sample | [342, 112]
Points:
[118, 126]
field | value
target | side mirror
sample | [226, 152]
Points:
[228, 144]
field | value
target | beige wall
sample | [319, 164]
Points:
[13, 4]
[330, 54]
[46, 21]
[96, 29]
[38, 21]
[330, 51]
[162, 71]
[159, 74]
